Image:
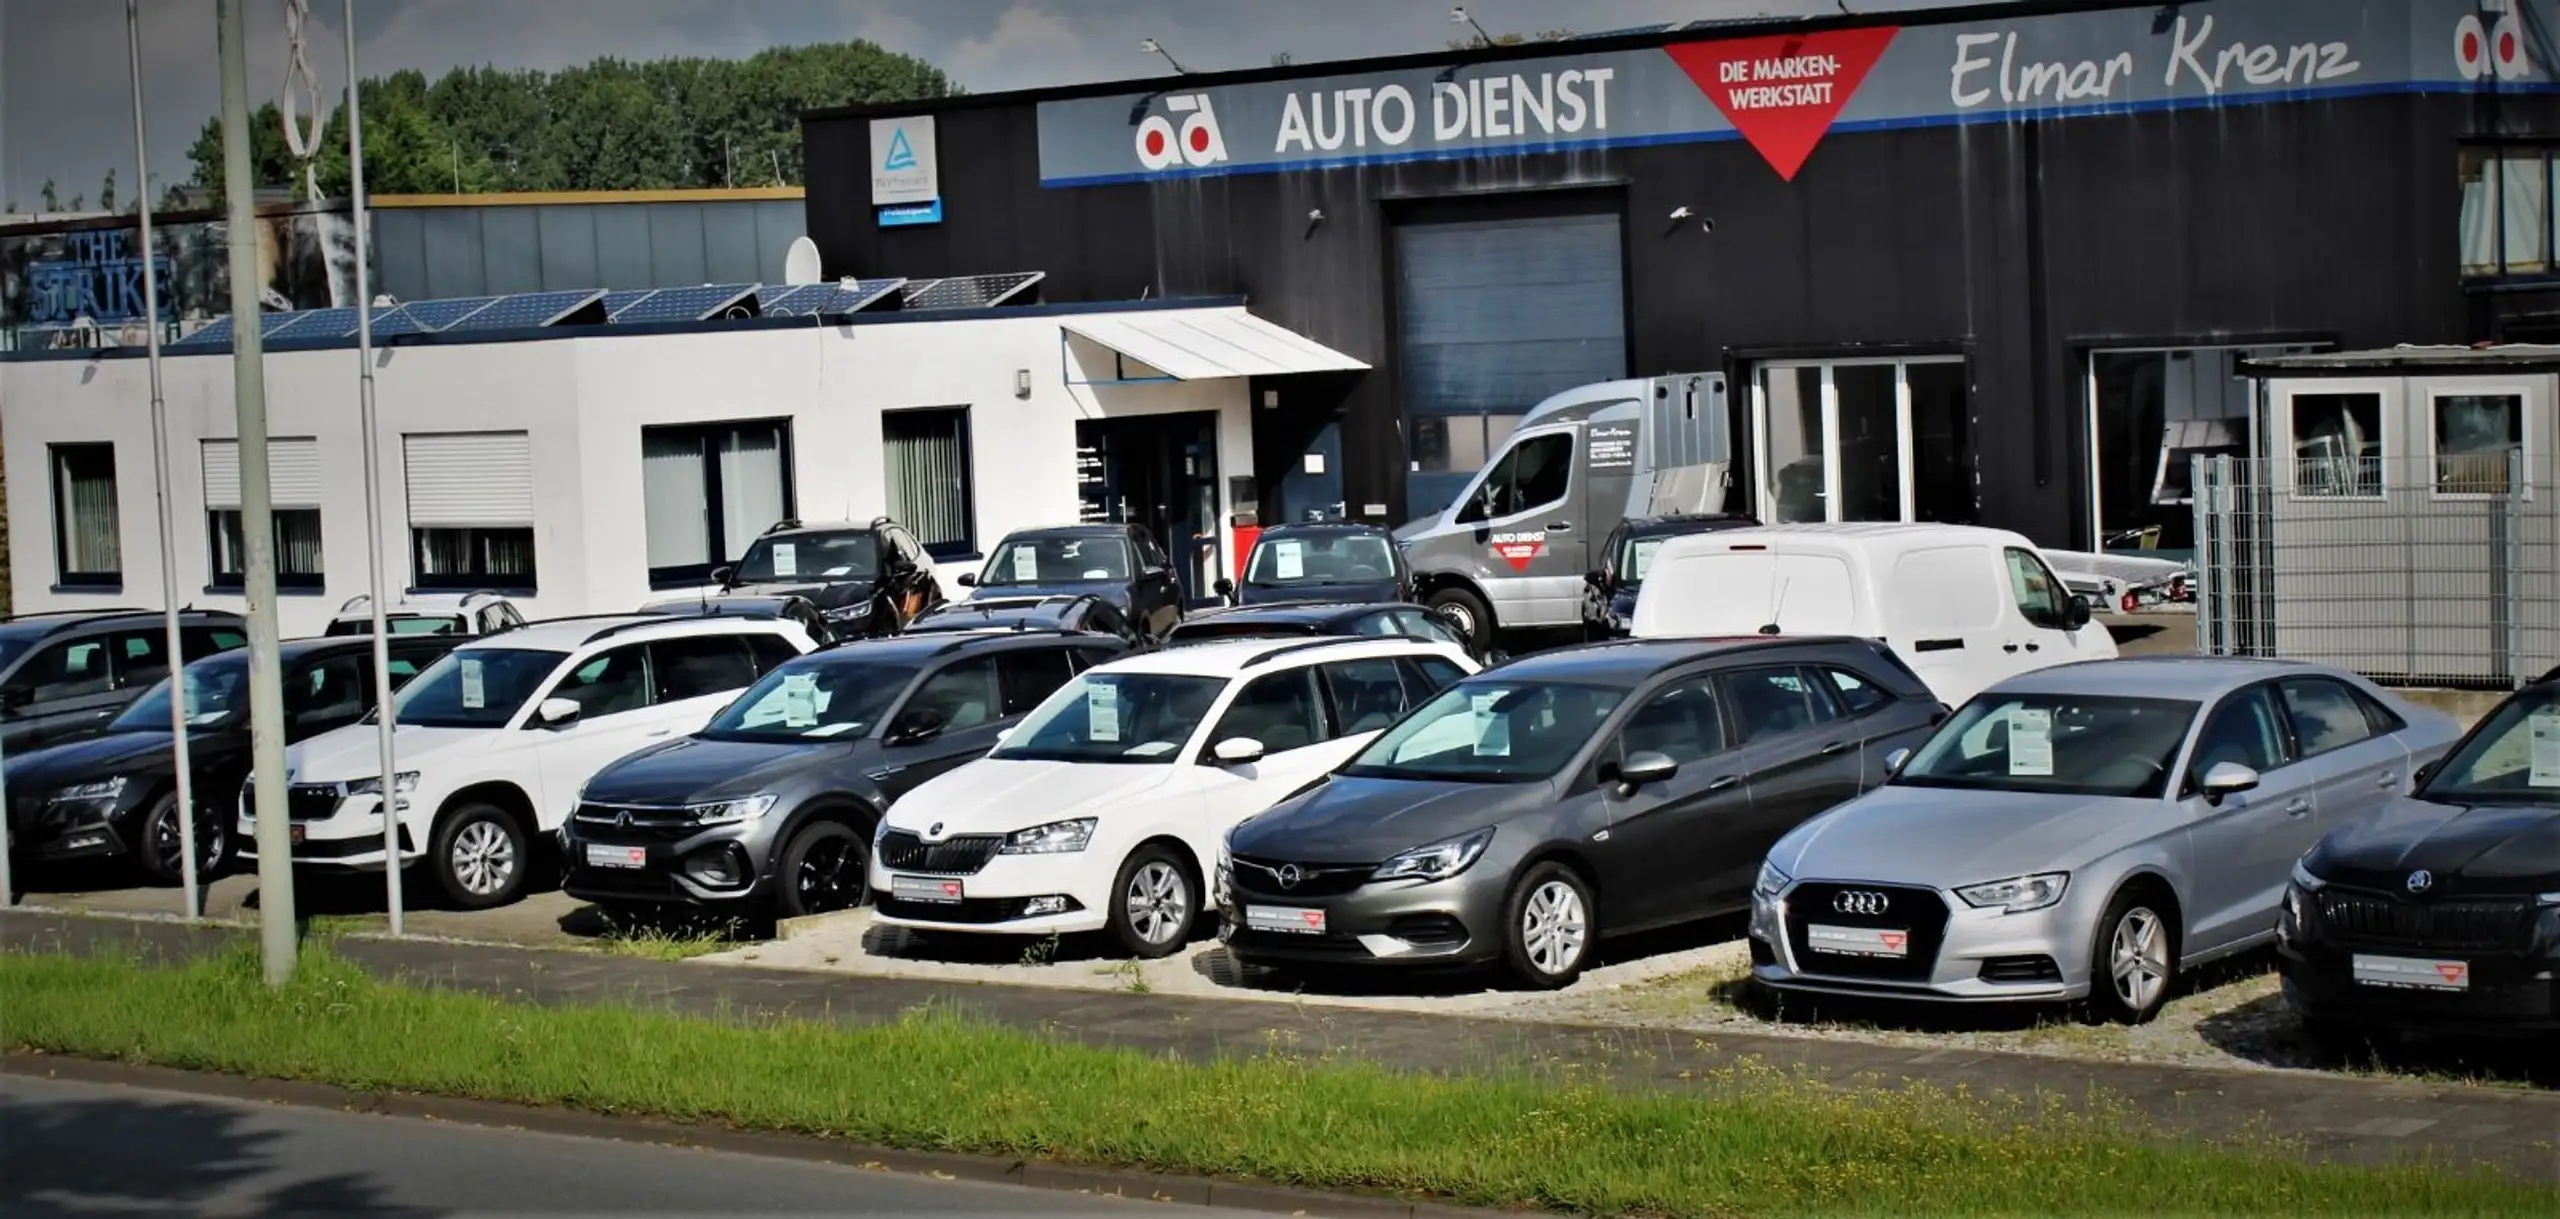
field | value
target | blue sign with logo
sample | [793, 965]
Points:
[904, 185]
[905, 214]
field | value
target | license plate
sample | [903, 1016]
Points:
[925, 889]
[1284, 919]
[602, 856]
[1859, 941]
[2412, 973]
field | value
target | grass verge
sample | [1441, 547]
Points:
[1752, 1142]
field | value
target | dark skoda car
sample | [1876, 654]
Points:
[1609, 590]
[865, 579]
[1305, 620]
[2442, 912]
[116, 795]
[1597, 790]
[773, 805]
[1322, 561]
[64, 675]
[1121, 564]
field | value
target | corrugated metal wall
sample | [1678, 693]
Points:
[424, 253]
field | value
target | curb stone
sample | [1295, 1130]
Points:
[940, 1165]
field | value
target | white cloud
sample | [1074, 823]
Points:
[1029, 46]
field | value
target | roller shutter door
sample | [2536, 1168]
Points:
[293, 473]
[469, 480]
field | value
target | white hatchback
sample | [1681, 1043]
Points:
[495, 740]
[1102, 809]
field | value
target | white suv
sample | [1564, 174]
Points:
[1101, 810]
[496, 738]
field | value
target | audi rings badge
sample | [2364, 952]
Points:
[1860, 901]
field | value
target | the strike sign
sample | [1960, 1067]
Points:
[1782, 92]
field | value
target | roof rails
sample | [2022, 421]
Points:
[79, 613]
[788, 522]
[1322, 641]
[960, 639]
[661, 619]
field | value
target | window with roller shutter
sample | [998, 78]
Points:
[293, 485]
[470, 510]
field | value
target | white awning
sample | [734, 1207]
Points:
[1209, 344]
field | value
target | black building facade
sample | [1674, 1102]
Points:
[1990, 266]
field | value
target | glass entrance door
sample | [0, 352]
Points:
[1862, 440]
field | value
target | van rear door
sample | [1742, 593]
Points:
[1945, 613]
[1747, 589]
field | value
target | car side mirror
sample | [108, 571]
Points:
[2075, 614]
[967, 579]
[1595, 578]
[1237, 751]
[17, 698]
[725, 577]
[1495, 657]
[1893, 761]
[1003, 735]
[2418, 778]
[2228, 779]
[1642, 768]
[921, 724]
[557, 713]
[1224, 587]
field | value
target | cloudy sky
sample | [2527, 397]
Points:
[65, 105]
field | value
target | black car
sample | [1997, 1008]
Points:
[2441, 913]
[774, 804]
[865, 579]
[1308, 619]
[1609, 591]
[1085, 612]
[1322, 561]
[115, 795]
[1121, 564]
[797, 610]
[1596, 790]
[64, 675]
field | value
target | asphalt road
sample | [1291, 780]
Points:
[71, 1149]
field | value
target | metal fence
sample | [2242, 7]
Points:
[2442, 570]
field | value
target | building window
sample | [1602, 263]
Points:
[297, 532]
[2478, 442]
[709, 491]
[86, 546]
[471, 510]
[1863, 440]
[2337, 445]
[927, 455]
[293, 484]
[2507, 218]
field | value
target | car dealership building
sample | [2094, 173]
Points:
[1992, 265]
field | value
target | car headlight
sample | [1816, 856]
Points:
[2304, 880]
[1438, 861]
[103, 789]
[847, 613]
[1771, 882]
[2018, 894]
[406, 782]
[731, 812]
[1055, 838]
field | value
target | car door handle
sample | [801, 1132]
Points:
[2008, 647]
[1721, 782]
[662, 732]
[2389, 780]
[2297, 807]
[1559, 526]
[1836, 747]
[2034, 647]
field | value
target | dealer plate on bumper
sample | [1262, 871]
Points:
[925, 889]
[1285, 919]
[2412, 973]
[601, 856]
[1858, 941]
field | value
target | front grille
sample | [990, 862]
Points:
[961, 856]
[635, 822]
[2021, 969]
[1250, 942]
[628, 884]
[1919, 912]
[1263, 876]
[2381, 919]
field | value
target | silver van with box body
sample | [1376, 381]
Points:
[1512, 550]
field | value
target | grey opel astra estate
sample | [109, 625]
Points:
[2086, 831]
[1533, 808]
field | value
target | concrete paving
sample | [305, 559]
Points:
[2345, 1118]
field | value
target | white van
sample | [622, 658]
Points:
[1964, 607]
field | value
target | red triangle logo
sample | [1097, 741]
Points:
[1781, 92]
[1892, 939]
[2452, 973]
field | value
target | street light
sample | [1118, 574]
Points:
[1458, 16]
[1152, 47]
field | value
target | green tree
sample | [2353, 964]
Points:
[271, 162]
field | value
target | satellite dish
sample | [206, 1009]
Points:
[800, 266]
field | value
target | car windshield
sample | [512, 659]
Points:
[217, 697]
[2065, 744]
[841, 554]
[1490, 731]
[1057, 560]
[474, 688]
[2513, 757]
[1342, 558]
[1115, 717]
[813, 699]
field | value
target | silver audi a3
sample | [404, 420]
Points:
[2085, 832]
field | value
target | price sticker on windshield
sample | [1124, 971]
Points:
[786, 559]
[475, 685]
[1102, 712]
[2543, 727]
[1288, 561]
[799, 699]
[2031, 742]
[1026, 565]
[1493, 729]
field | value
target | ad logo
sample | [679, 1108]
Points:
[2479, 50]
[1197, 143]
[1519, 549]
[1781, 92]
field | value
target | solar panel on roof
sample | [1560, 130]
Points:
[970, 291]
[687, 304]
[616, 302]
[528, 310]
[863, 294]
[444, 314]
[333, 323]
[217, 333]
[794, 300]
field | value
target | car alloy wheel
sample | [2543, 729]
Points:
[2138, 960]
[830, 876]
[1553, 927]
[483, 859]
[1159, 902]
[213, 843]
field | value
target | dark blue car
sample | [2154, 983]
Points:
[1330, 561]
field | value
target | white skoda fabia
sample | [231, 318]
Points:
[1105, 808]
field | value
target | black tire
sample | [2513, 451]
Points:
[480, 857]
[1474, 618]
[1549, 926]
[824, 869]
[1167, 910]
[155, 849]
[2123, 1000]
